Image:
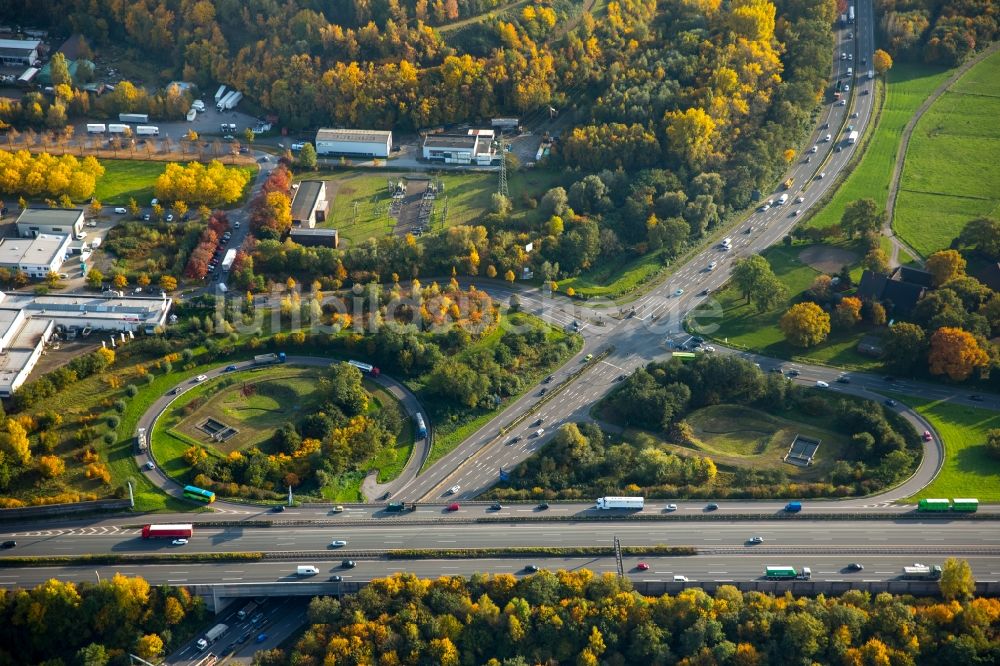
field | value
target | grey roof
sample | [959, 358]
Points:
[306, 198]
[914, 275]
[18, 46]
[353, 135]
[455, 141]
[302, 231]
[49, 216]
[39, 250]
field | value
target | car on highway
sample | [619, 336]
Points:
[121, 210]
[678, 292]
[843, 102]
[795, 213]
[230, 368]
[278, 509]
[794, 373]
[588, 357]
[149, 465]
[335, 578]
[200, 378]
[348, 564]
[261, 637]
[843, 379]
[170, 217]
[642, 566]
[338, 509]
[765, 208]
[454, 506]
[890, 402]
[231, 647]
[514, 440]
[670, 507]
[338, 543]
[711, 507]
[855, 566]
[244, 638]
[814, 150]
[496, 506]
[537, 423]
[847, 88]
[530, 568]
[821, 175]
[179, 542]
[755, 540]
[704, 292]
[548, 379]
[927, 436]
[8, 544]
[854, 115]
[865, 91]
[539, 432]
[843, 56]
[799, 199]
[711, 265]
[821, 384]
[543, 506]
[543, 391]
[453, 490]
[828, 138]
[620, 378]
[825, 126]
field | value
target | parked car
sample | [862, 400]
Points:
[121, 210]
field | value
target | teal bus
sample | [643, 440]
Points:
[967, 505]
[199, 495]
[934, 505]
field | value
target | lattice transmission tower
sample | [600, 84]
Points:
[502, 187]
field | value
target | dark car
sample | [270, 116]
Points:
[230, 648]
[537, 423]
[256, 619]
[278, 509]
[348, 564]
[514, 440]
[548, 379]
[244, 638]
[794, 373]
[620, 378]
[712, 507]
[8, 544]
[496, 506]
[530, 568]
[698, 340]
[543, 391]
[855, 566]
[261, 638]
[173, 391]
[843, 379]
[704, 292]
[976, 398]
[335, 578]
[230, 368]
[890, 402]
[543, 506]
[776, 370]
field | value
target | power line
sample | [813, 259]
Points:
[502, 188]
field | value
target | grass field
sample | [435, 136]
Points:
[951, 173]
[124, 179]
[735, 436]
[466, 195]
[742, 326]
[968, 470]
[908, 86]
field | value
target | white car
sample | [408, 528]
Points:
[149, 465]
[92, 224]
[842, 102]
[179, 542]
[822, 384]
[800, 200]
[120, 210]
[847, 88]
[814, 150]
[671, 507]
[154, 201]
[712, 265]
[338, 543]
[80, 236]
[454, 490]
[709, 348]
[200, 378]
[828, 138]
[765, 208]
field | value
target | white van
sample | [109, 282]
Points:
[680, 579]
[539, 432]
[781, 200]
[726, 243]
[850, 72]
[306, 571]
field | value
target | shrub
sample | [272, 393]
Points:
[131, 390]
[113, 421]
[120, 405]
[110, 438]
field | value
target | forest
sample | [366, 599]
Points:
[583, 618]
[935, 31]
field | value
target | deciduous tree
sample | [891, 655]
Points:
[955, 353]
[860, 217]
[904, 345]
[945, 265]
[805, 324]
[882, 61]
[848, 312]
[956, 579]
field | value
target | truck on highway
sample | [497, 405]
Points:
[219, 93]
[793, 507]
[852, 138]
[966, 504]
[933, 505]
[788, 183]
[147, 130]
[400, 507]
[117, 128]
[140, 439]
[247, 610]
[212, 635]
[227, 261]
[266, 359]
[366, 368]
[922, 572]
[620, 503]
[133, 117]
[782, 200]
[96, 128]
[175, 531]
[787, 573]
[850, 14]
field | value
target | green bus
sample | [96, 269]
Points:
[684, 356]
[934, 505]
[967, 505]
[780, 573]
[199, 495]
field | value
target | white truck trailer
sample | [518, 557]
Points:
[221, 104]
[133, 117]
[147, 130]
[227, 261]
[620, 503]
[852, 138]
[212, 635]
[922, 572]
[117, 128]
[219, 93]
[96, 128]
[230, 101]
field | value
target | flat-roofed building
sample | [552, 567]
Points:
[15, 52]
[19, 358]
[35, 221]
[472, 147]
[106, 313]
[354, 142]
[36, 256]
[309, 204]
[315, 237]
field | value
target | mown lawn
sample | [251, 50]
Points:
[126, 179]
[968, 470]
[908, 86]
[742, 326]
[951, 173]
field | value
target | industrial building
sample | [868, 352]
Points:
[36, 256]
[472, 147]
[353, 142]
[309, 205]
[36, 221]
[315, 237]
[19, 52]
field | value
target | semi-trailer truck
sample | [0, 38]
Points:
[787, 573]
[233, 101]
[133, 117]
[247, 610]
[96, 128]
[220, 93]
[850, 14]
[620, 503]
[176, 531]
[212, 635]
[147, 130]
[922, 572]
[265, 359]
[117, 128]
[227, 261]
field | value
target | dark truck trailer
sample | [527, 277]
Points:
[178, 531]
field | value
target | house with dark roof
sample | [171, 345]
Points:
[898, 291]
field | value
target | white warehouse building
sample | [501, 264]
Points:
[36, 221]
[354, 142]
[36, 256]
[472, 147]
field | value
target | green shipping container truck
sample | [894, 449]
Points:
[934, 505]
[968, 505]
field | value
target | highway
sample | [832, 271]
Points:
[910, 535]
[698, 569]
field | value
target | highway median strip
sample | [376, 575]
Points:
[150, 558]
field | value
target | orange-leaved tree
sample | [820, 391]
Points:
[955, 353]
[805, 324]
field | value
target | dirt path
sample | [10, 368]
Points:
[496, 11]
[897, 170]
